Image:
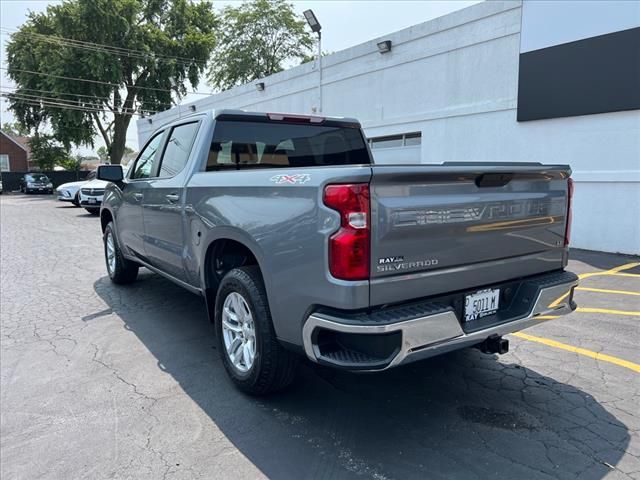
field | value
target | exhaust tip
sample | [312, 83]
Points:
[495, 344]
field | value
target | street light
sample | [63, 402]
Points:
[315, 26]
[312, 21]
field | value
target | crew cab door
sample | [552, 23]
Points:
[163, 203]
[129, 222]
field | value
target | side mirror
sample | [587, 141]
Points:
[110, 173]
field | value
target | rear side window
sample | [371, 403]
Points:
[239, 144]
[178, 148]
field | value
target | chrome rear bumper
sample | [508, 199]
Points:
[438, 332]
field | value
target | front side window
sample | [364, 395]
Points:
[178, 148]
[247, 144]
[146, 160]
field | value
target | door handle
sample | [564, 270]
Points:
[138, 196]
[172, 197]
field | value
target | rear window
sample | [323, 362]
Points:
[238, 144]
[37, 178]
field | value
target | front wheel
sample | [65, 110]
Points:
[121, 270]
[250, 351]
[76, 200]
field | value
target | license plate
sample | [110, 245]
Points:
[92, 200]
[480, 304]
[40, 188]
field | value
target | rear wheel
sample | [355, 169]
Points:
[250, 351]
[121, 270]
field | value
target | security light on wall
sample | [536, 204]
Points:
[192, 108]
[313, 22]
[384, 46]
[260, 86]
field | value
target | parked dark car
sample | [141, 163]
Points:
[35, 182]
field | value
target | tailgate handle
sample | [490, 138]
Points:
[493, 179]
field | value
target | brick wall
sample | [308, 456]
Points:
[17, 155]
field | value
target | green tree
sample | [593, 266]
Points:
[103, 153]
[47, 152]
[15, 129]
[134, 55]
[72, 162]
[256, 39]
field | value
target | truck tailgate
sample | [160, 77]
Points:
[450, 227]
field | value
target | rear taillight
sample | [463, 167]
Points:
[349, 246]
[567, 234]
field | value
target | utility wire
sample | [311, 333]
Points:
[96, 81]
[97, 47]
[34, 102]
[81, 79]
[96, 97]
[71, 102]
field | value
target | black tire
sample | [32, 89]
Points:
[76, 199]
[92, 211]
[124, 271]
[273, 367]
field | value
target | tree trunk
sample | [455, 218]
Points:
[120, 126]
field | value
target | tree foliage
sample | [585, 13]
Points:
[15, 129]
[47, 152]
[72, 162]
[137, 54]
[256, 39]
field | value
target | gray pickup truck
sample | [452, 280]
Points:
[300, 244]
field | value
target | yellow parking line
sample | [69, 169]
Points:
[628, 275]
[602, 290]
[581, 351]
[613, 271]
[546, 317]
[607, 311]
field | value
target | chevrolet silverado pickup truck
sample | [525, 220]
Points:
[302, 246]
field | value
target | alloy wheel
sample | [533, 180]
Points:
[111, 253]
[238, 331]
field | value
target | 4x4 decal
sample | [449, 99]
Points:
[297, 178]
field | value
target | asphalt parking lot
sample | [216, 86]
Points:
[101, 381]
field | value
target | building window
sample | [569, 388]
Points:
[4, 163]
[395, 141]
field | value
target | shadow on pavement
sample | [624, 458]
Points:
[602, 260]
[456, 416]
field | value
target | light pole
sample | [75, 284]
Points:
[315, 26]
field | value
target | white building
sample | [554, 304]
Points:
[551, 82]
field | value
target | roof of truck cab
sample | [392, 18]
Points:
[228, 113]
[244, 114]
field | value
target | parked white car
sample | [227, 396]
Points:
[70, 192]
[91, 194]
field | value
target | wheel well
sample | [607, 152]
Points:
[105, 218]
[222, 256]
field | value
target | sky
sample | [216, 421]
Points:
[345, 23]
